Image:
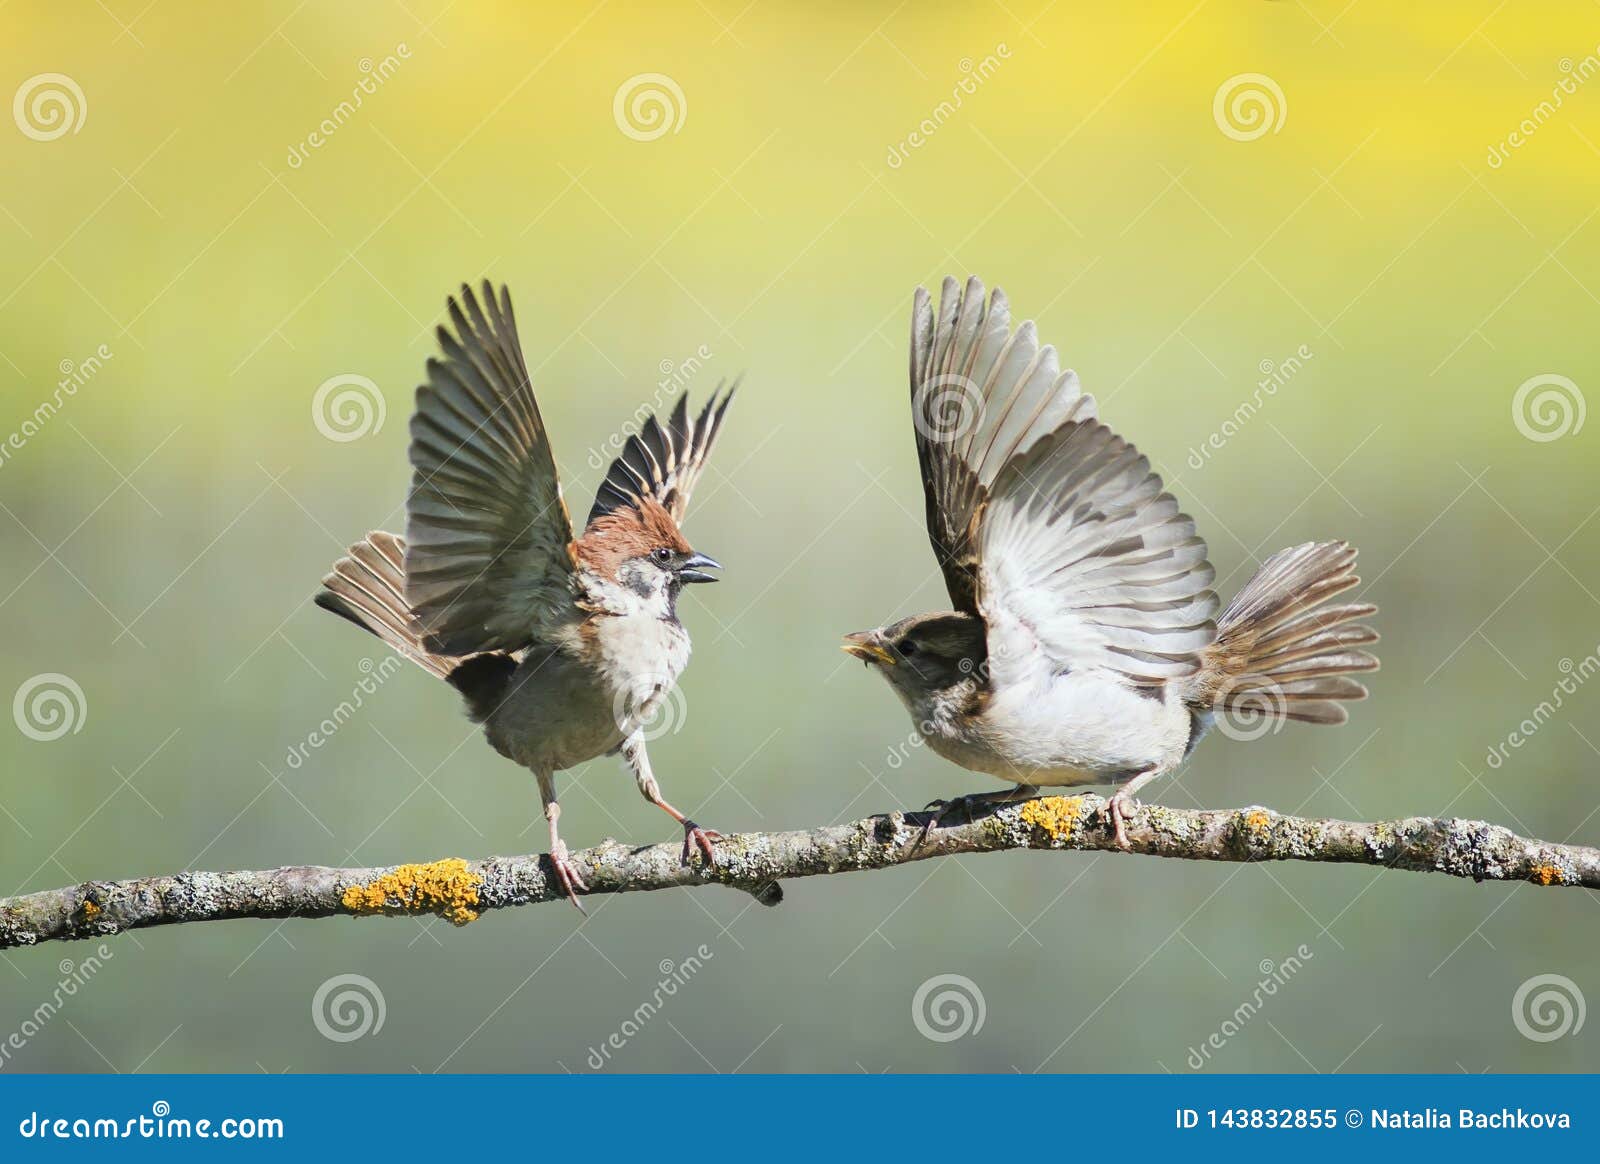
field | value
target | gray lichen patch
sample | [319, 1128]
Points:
[1380, 841]
[748, 857]
[1180, 827]
[1300, 838]
[1474, 849]
[1007, 830]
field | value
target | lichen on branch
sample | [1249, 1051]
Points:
[461, 890]
[448, 888]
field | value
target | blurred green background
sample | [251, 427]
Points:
[162, 531]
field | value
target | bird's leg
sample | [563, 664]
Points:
[638, 759]
[1123, 801]
[971, 800]
[567, 875]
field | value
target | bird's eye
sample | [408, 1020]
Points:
[909, 647]
[662, 555]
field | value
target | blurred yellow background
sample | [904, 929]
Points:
[206, 225]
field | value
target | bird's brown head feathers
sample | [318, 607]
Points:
[630, 531]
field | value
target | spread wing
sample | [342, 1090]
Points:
[663, 461]
[1087, 563]
[980, 395]
[489, 560]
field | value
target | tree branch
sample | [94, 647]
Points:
[460, 890]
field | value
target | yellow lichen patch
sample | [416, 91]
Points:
[1256, 819]
[1056, 815]
[447, 888]
[1546, 874]
[91, 910]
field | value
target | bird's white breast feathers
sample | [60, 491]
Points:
[1085, 727]
[572, 703]
[640, 657]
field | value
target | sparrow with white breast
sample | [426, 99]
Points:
[562, 646]
[1085, 646]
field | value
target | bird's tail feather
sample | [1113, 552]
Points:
[367, 586]
[1279, 652]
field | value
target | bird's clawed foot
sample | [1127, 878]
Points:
[940, 809]
[567, 875]
[695, 837]
[972, 800]
[936, 810]
[1118, 807]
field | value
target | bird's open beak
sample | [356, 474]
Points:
[694, 566]
[865, 646]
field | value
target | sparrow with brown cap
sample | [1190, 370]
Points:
[563, 646]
